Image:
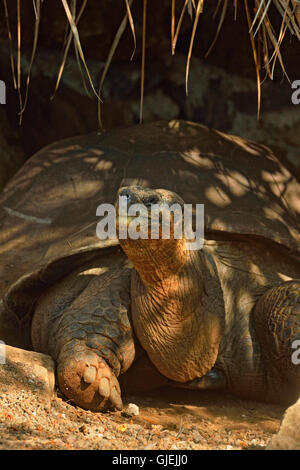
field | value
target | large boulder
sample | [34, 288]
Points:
[26, 372]
[288, 437]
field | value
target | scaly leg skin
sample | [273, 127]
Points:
[277, 325]
[83, 323]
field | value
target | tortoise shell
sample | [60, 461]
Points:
[48, 209]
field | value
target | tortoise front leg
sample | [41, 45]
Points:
[277, 325]
[83, 323]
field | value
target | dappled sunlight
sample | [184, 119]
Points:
[195, 158]
[249, 147]
[293, 198]
[284, 278]
[97, 271]
[277, 177]
[102, 165]
[217, 196]
[126, 181]
[237, 181]
[271, 212]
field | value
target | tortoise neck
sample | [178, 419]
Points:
[156, 260]
[175, 322]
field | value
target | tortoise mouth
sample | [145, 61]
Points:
[125, 221]
[137, 227]
[148, 227]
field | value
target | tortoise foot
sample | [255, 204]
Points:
[88, 381]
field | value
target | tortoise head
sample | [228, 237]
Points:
[150, 230]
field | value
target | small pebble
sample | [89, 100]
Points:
[149, 447]
[132, 410]
[83, 429]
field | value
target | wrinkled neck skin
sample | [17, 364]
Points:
[171, 312]
[156, 260]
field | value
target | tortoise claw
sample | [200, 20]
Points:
[104, 388]
[115, 398]
[111, 389]
[90, 374]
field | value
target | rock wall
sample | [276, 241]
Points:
[12, 154]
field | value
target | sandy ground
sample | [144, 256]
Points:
[168, 419]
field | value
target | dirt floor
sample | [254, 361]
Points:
[168, 419]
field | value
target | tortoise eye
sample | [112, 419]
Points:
[126, 193]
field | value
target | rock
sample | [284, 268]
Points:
[132, 410]
[157, 106]
[97, 26]
[288, 437]
[197, 439]
[83, 429]
[28, 372]
[150, 446]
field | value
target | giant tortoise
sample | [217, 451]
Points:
[224, 316]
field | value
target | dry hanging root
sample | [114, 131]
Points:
[265, 41]
[297, 10]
